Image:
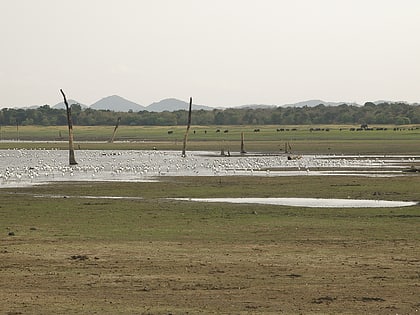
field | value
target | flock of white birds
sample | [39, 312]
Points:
[21, 167]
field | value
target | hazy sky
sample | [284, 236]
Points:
[220, 52]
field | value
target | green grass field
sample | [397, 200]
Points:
[209, 133]
[79, 255]
[68, 248]
[338, 140]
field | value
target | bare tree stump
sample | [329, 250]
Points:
[184, 147]
[242, 143]
[72, 159]
[115, 130]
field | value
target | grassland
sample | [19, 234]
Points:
[337, 140]
[75, 255]
[66, 249]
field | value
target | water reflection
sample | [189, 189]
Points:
[309, 202]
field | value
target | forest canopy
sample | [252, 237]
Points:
[369, 113]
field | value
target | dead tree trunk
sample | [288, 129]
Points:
[287, 147]
[242, 143]
[184, 147]
[115, 130]
[72, 159]
[17, 130]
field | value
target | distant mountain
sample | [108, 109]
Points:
[173, 104]
[117, 103]
[309, 103]
[61, 105]
[256, 106]
[313, 103]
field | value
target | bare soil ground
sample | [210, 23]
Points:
[156, 256]
[283, 277]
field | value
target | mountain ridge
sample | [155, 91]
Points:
[119, 104]
[116, 103]
[61, 105]
[313, 103]
[173, 104]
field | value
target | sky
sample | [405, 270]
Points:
[220, 52]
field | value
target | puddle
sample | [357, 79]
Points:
[88, 197]
[309, 202]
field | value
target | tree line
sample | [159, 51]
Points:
[369, 113]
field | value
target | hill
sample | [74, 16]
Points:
[70, 102]
[173, 104]
[313, 103]
[117, 104]
[256, 106]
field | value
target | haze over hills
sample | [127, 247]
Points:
[313, 103]
[308, 103]
[61, 105]
[119, 104]
[173, 104]
[255, 106]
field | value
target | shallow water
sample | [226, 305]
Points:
[309, 202]
[87, 197]
[33, 167]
